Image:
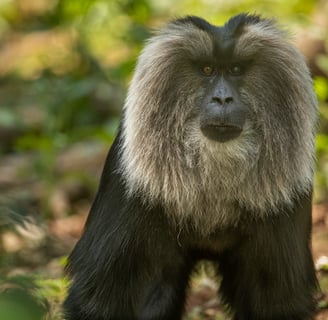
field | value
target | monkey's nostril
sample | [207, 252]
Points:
[218, 100]
[228, 100]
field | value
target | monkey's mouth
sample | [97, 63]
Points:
[221, 133]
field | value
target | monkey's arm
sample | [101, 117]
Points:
[271, 276]
[127, 264]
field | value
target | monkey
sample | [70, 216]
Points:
[213, 160]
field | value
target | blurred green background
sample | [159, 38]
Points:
[64, 69]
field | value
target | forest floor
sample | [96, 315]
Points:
[38, 245]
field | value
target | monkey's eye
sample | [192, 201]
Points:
[235, 70]
[208, 70]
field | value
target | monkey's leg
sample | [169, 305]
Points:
[140, 281]
[271, 276]
[127, 264]
[165, 295]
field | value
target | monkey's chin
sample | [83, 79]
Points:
[221, 133]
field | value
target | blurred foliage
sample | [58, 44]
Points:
[65, 64]
[64, 69]
[321, 88]
[18, 299]
[31, 298]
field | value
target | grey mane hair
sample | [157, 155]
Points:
[165, 157]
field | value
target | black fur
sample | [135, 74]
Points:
[132, 263]
[128, 264]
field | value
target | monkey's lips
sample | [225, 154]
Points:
[221, 133]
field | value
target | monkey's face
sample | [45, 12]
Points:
[222, 114]
[194, 85]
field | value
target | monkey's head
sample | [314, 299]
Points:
[219, 117]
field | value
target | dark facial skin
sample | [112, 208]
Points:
[223, 115]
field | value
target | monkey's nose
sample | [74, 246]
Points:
[222, 95]
[222, 100]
